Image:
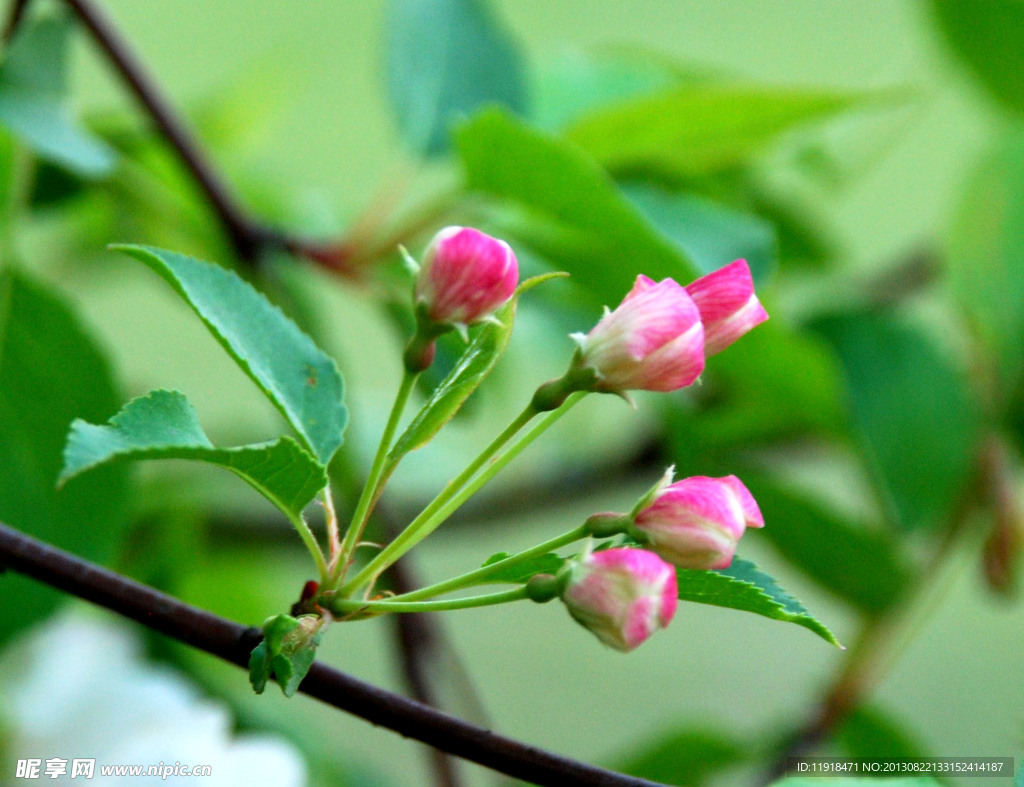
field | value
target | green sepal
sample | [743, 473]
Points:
[286, 653]
[648, 497]
[471, 370]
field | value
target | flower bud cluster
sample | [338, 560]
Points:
[694, 523]
[657, 339]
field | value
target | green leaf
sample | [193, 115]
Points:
[446, 58]
[984, 253]
[868, 732]
[285, 654]
[689, 757]
[549, 563]
[874, 574]
[710, 234]
[50, 372]
[912, 413]
[743, 586]
[987, 36]
[578, 82]
[471, 370]
[163, 425]
[33, 101]
[569, 210]
[699, 128]
[298, 377]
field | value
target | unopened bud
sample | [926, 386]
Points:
[621, 595]
[465, 276]
[697, 522]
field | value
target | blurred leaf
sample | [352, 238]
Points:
[299, 378]
[873, 573]
[699, 128]
[53, 186]
[711, 235]
[471, 370]
[774, 384]
[242, 114]
[446, 58]
[578, 83]
[800, 238]
[985, 250]
[573, 213]
[987, 37]
[911, 411]
[689, 757]
[743, 586]
[867, 732]
[521, 572]
[163, 425]
[33, 101]
[50, 372]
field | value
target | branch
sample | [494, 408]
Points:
[233, 643]
[247, 237]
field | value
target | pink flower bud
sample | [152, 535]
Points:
[653, 341]
[465, 276]
[728, 306]
[622, 595]
[697, 522]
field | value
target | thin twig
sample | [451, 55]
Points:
[247, 237]
[233, 643]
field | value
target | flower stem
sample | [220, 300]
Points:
[374, 483]
[502, 461]
[481, 575]
[311, 544]
[343, 606]
[457, 491]
[333, 531]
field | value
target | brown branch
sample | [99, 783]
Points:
[247, 237]
[233, 643]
